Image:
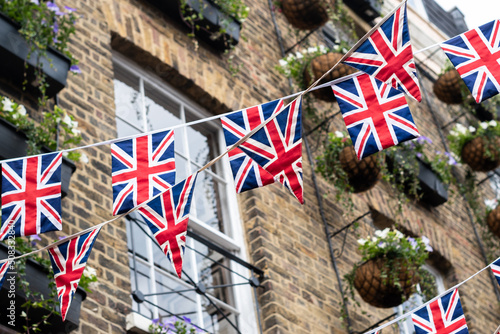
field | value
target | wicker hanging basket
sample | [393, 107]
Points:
[493, 221]
[364, 174]
[321, 64]
[448, 87]
[474, 155]
[383, 292]
[306, 14]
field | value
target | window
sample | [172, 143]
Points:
[144, 103]
[431, 285]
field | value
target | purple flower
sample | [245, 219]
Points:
[69, 9]
[35, 237]
[52, 6]
[419, 155]
[154, 321]
[413, 243]
[61, 238]
[55, 27]
[423, 139]
[36, 2]
[186, 319]
[75, 69]
[451, 159]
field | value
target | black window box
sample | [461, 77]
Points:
[14, 51]
[213, 20]
[430, 188]
[483, 113]
[368, 10]
[14, 145]
[39, 281]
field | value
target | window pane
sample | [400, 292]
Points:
[206, 198]
[124, 129]
[128, 102]
[215, 322]
[161, 111]
[181, 304]
[139, 238]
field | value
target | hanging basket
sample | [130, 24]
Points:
[493, 221]
[474, 155]
[321, 64]
[364, 174]
[383, 292]
[306, 14]
[448, 87]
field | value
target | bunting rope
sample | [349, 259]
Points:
[401, 317]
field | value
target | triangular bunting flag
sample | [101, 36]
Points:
[386, 53]
[495, 268]
[277, 147]
[142, 168]
[167, 216]
[247, 173]
[4, 269]
[31, 195]
[376, 115]
[442, 316]
[68, 262]
[476, 56]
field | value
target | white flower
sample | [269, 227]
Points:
[74, 124]
[453, 133]
[84, 158]
[75, 131]
[312, 49]
[322, 48]
[7, 104]
[21, 110]
[461, 129]
[339, 134]
[67, 119]
[362, 241]
[492, 123]
[283, 62]
[483, 125]
[382, 245]
[399, 235]
[490, 203]
[374, 239]
[299, 55]
[89, 272]
[472, 129]
[65, 154]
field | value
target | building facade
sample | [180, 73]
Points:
[256, 261]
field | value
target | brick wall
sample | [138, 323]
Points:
[288, 241]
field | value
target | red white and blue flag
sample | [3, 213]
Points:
[495, 268]
[68, 262]
[442, 316]
[375, 114]
[387, 55]
[167, 217]
[142, 168]
[31, 195]
[476, 56]
[247, 173]
[277, 147]
[4, 269]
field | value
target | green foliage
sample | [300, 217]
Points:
[55, 126]
[461, 135]
[174, 324]
[43, 25]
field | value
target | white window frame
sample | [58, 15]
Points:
[234, 240]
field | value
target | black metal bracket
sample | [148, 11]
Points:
[326, 120]
[375, 325]
[338, 253]
[494, 172]
[301, 40]
[453, 120]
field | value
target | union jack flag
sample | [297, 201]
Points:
[167, 217]
[442, 316]
[476, 56]
[142, 167]
[4, 268]
[495, 268]
[246, 172]
[376, 115]
[277, 147]
[387, 55]
[31, 195]
[68, 262]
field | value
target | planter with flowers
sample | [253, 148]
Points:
[308, 65]
[448, 87]
[307, 14]
[30, 285]
[22, 136]
[388, 271]
[493, 220]
[412, 171]
[173, 324]
[478, 147]
[34, 45]
[340, 165]
[217, 22]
